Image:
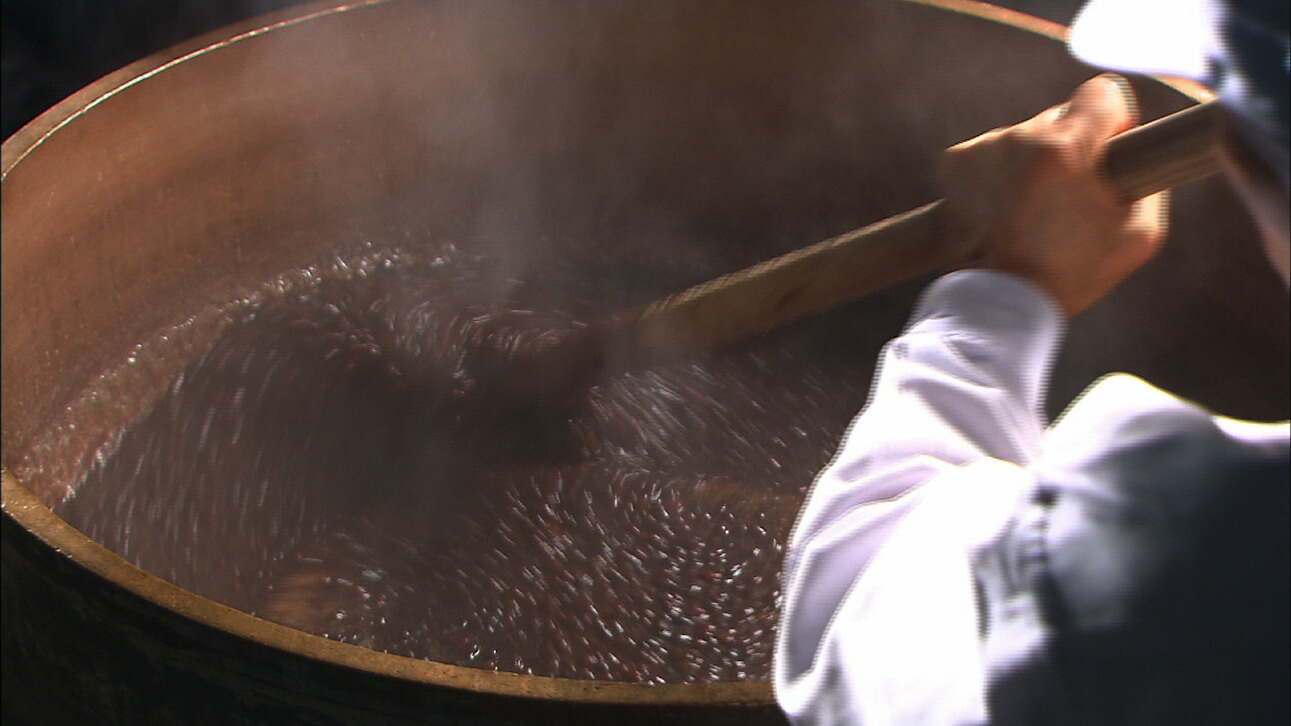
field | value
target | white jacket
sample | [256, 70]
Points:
[880, 620]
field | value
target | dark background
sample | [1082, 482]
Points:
[52, 48]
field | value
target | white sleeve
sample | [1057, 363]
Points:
[964, 383]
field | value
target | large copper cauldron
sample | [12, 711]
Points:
[754, 126]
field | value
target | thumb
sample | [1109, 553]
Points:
[1100, 108]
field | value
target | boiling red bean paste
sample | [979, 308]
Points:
[326, 463]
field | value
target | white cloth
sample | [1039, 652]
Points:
[880, 622]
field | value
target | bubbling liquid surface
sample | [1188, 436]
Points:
[324, 464]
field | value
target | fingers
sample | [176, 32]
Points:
[1030, 199]
[1148, 224]
[1044, 121]
[1101, 108]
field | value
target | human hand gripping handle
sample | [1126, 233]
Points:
[1050, 199]
[1038, 199]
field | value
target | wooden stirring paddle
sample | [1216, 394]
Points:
[1172, 150]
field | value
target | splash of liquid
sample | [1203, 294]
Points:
[323, 464]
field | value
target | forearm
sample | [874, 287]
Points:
[965, 382]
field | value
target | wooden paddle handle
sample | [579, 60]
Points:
[1169, 151]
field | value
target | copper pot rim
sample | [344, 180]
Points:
[35, 517]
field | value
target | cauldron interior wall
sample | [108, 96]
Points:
[490, 123]
[688, 139]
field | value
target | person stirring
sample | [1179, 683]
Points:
[958, 562]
